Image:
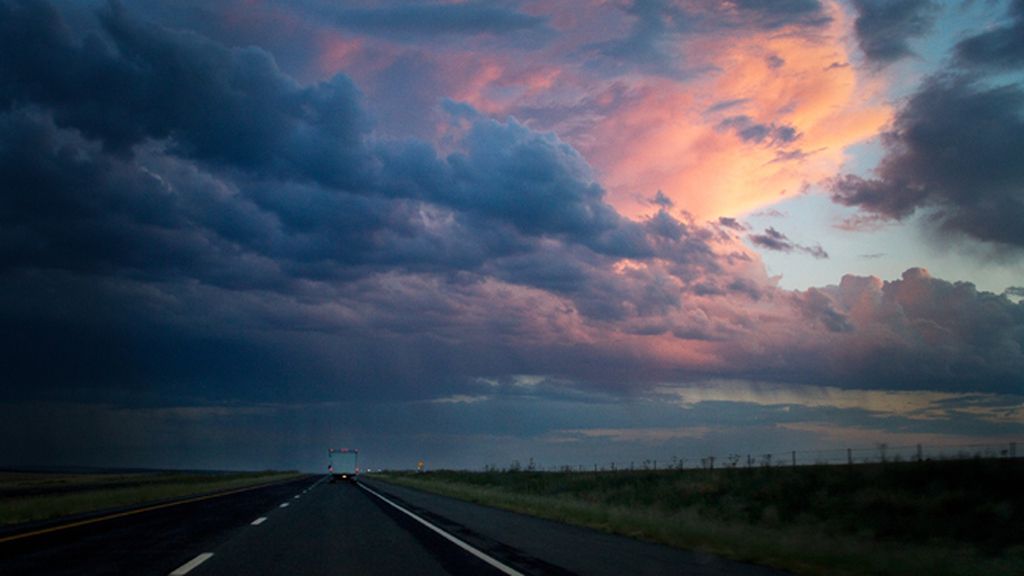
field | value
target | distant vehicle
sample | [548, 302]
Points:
[343, 464]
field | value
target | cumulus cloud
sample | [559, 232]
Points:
[884, 28]
[920, 332]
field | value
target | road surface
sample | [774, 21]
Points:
[313, 527]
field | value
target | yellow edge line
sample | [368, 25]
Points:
[137, 511]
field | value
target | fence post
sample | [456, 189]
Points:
[849, 456]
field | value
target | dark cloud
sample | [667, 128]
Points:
[953, 150]
[819, 306]
[535, 181]
[425, 19]
[750, 131]
[914, 333]
[137, 81]
[661, 200]
[230, 211]
[922, 332]
[772, 14]
[1001, 48]
[659, 25]
[1017, 291]
[732, 223]
[885, 27]
[772, 239]
[726, 105]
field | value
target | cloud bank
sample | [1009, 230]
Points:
[188, 230]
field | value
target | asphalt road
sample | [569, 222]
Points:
[314, 527]
[154, 542]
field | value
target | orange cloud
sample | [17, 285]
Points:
[669, 138]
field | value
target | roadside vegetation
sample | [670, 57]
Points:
[28, 497]
[931, 517]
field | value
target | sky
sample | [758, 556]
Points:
[234, 234]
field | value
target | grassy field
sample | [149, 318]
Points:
[27, 497]
[937, 518]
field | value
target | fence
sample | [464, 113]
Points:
[878, 454]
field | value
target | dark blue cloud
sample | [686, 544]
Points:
[659, 25]
[772, 14]
[954, 150]
[1001, 48]
[750, 131]
[426, 19]
[226, 210]
[885, 27]
[137, 82]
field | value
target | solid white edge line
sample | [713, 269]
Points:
[188, 566]
[259, 521]
[481, 555]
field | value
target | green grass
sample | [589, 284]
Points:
[27, 497]
[937, 518]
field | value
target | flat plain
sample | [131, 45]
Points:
[936, 517]
[40, 496]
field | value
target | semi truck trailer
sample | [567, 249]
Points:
[343, 464]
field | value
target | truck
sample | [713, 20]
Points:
[343, 464]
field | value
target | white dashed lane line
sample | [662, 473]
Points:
[259, 521]
[191, 564]
[285, 505]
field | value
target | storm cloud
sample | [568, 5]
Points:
[953, 151]
[195, 228]
[884, 28]
[1001, 48]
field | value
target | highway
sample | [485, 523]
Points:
[313, 527]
